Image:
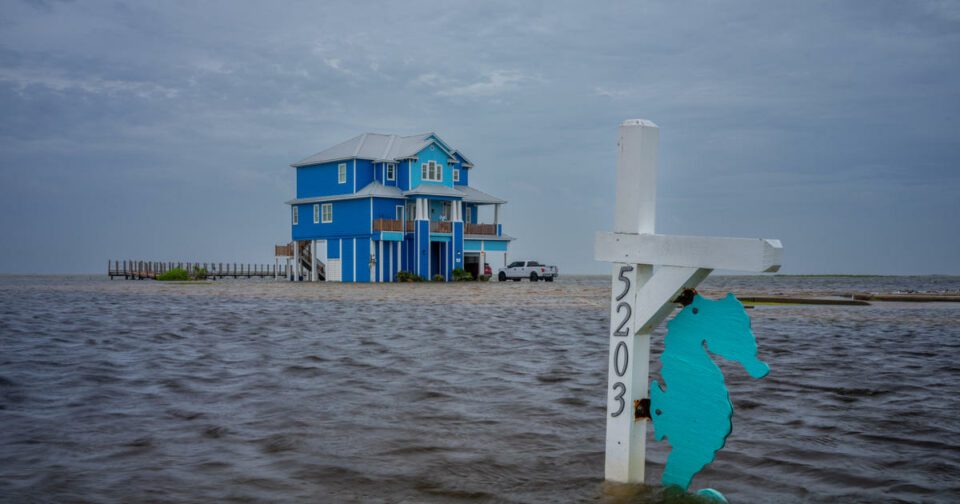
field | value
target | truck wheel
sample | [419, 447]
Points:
[548, 279]
[533, 277]
[502, 277]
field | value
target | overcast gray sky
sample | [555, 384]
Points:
[164, 130]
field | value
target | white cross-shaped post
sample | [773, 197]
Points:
[643, 296]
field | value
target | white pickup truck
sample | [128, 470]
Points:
[528, 269]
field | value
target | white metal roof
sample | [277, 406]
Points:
[471, 195]
[372, 190]
[434, 190]
[377, 147]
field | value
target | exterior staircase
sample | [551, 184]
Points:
[306, 259]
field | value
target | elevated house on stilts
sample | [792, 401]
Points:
[375, 205]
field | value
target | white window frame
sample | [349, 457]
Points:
[456, 175]
[316, 213]
[342, 173]
[326, 213]
[468, 211]
[391, 171]
[296, 215]
[400, 211]
[431, 172]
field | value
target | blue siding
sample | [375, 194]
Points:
[464, 172]
[464, 175]
[495, 246]
[380, 174]
[436, 210]
[422, 249]
[363, 260]
[346, 263]
[403, 175]
[436, 154]
[364, 173]
[456, 252]
[473, 212]
[350, 217]
[385, 208]
[321, 180]
[488, 245]
[333, 249]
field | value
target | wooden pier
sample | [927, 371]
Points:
[139, 270]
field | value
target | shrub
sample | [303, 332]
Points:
[461, 275]
[439, 278]
[406, 276]
[174, 275]
[484, 278]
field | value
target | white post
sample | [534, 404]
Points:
[629, 359]
[496, 214]
[276, 268]
[296, 261]
[313, 261]
[483, 259]
[380, 264]
[640, 299]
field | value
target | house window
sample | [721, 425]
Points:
[296, 214]
[468, 211]
[391, 172]
[456, 175]
[411, 210]
[400, 212]
[326, 213]
[432, 172]
[316, 214]
[342, 173]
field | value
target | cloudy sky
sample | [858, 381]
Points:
[164, 130]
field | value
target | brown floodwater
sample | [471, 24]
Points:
[262, 391]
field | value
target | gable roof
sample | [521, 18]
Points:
[377, 147]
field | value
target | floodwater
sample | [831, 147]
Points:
[256, 391]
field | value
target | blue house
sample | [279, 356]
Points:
[375, 205]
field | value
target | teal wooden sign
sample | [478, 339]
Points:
[692, 409]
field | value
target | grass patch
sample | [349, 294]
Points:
[182, 275]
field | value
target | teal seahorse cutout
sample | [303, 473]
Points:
[693, 411]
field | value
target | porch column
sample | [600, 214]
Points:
[496, 214]
[422, 239]
[456, 238]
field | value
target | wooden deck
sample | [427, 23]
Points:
[435, 227]
[139, 270]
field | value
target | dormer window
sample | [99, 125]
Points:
[342, 173]
[456, 175]
[431, 172]
[391, 171]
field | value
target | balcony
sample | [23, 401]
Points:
[480, 229]
[441, 227]
[387, 225]
[435, 227]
